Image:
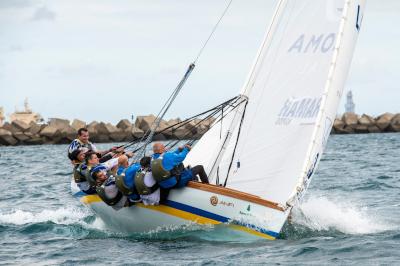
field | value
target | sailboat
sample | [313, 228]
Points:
[262, 156]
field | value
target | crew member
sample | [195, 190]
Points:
[168, 170]
[146, 185]
[125, 181]
[106, 187]
[80, 172]
[108, 182]
[82, 141]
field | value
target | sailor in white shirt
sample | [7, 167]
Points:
[152, 198]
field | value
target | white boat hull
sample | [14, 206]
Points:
[191, 205]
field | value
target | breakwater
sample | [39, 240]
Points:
[62, 131]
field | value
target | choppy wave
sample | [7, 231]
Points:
[322, 214]
[64, 216]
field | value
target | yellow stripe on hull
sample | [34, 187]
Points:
[183, 215]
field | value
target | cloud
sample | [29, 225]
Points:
[43, 13]
[79, 71]
[15, 48]
[15, 3]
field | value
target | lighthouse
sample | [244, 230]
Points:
[350, 106]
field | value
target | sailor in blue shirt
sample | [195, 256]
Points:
[113, 192]
[130, 173]
[168, 169]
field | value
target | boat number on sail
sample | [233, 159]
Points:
[298, 108]
[313, 43]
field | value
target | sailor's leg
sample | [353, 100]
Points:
[163, 194]
[198, 170]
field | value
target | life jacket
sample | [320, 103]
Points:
[121, 185]
[102, 194]
[77, 172]
[89, 177]
[140, 185]
[82, 174]
[161, 174]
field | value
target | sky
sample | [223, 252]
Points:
[108, 60]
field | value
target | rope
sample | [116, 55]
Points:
[164, 109]
[212, 32]
[148, 135]
[211, 112]
[216, 111]
[237, 140]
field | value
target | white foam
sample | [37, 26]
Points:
[320, 213]
[58, 216]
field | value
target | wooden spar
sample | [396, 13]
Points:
[235, 194]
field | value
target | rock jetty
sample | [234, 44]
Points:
[351, 123]
[62, 131]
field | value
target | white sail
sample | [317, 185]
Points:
[287, 91]
[340, 64]
[211, 147]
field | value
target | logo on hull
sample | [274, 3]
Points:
[214, 200]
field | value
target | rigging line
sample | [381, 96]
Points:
[167, 106]
[213, 30]
[148, 131]
[188, 120]
[211, 112]
[175, 142]
[217, 178]
[219, 153]
[196, 125]
[237, 140]
[232, 103]
[226, 138]
[216, 111]
[233, 108]
[222, 116]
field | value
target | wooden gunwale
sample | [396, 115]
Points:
[235, 194]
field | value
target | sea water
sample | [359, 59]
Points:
[350, 215]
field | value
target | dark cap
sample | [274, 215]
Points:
[97, 169]
[74, 154]
[145, 161]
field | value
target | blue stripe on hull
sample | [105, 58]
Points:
[222, 219]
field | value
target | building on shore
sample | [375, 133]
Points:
[1, 116]
[27, 115]
[350, 106]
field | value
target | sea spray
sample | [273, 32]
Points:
[321, 213]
